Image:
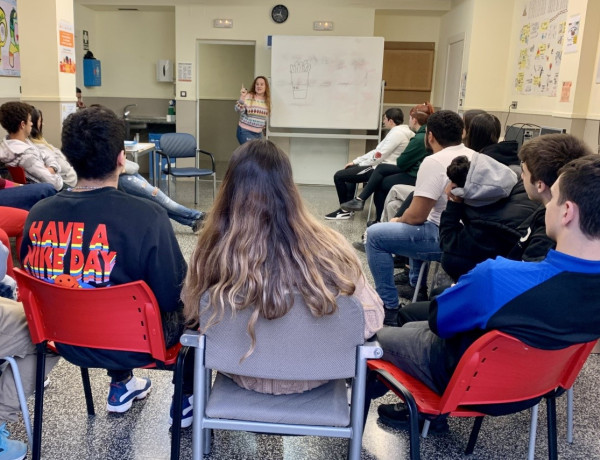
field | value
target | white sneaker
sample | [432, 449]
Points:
[339, 215]
[121, 395]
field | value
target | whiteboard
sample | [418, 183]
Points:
[326, 82]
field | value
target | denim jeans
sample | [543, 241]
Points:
[418, 242]
[26, 196]
[243, 135]
[134, 184]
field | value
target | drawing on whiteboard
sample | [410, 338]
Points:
[299, 73]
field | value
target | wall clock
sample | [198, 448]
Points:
[279, 14]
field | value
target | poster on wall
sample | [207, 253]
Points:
[572, 34]
[541, 37]
[66, 47]
[10, 57]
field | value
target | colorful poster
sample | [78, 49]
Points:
[10, 57]
[565, 94]
[572, 34]
[66, 47]
[541, 37]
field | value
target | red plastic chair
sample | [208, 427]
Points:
[124, 317]
[496, 369]
[18, 174]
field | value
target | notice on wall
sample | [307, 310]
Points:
[565, 94]
[184, 71]
[541, 37]
[10, 57]
[66, 47]
[572, 35]
[86, 40]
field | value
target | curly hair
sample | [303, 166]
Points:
[12, 114]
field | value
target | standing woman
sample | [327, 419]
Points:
[254, 107]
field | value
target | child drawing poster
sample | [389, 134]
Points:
[541, 37]
[66, 47]
[10, 57]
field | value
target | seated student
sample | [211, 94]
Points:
[129, 180]
[15, 341]
[360, 169]
[541, 158]
[526, 300]
[259, 244]
[482, 217]
[416, 232]
[405, 170]
[106, 237]
[18, 150]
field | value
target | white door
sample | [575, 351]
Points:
[453, 71]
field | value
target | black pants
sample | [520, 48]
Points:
[381, 181]
[345, 180]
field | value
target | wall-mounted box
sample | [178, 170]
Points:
[92, 72]
[164, 70]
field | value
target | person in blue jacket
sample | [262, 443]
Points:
[550, 304]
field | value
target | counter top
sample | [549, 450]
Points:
[149, 119]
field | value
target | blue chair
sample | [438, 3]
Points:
[183, 145]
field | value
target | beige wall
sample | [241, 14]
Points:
[223, 68]
[129, 44]
[253, 23]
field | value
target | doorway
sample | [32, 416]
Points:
[453, 73]
[223, 66]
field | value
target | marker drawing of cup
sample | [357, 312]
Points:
[299, 73]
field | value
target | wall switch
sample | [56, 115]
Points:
[182, 93]
[513, 105]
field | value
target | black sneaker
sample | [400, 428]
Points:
[407, 291]
[396, 416]
[401, 277]
[359, 246]
[353, 205]
[371, 222]
[391, 317]
[339, 215]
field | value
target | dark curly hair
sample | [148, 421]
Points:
[12, 114]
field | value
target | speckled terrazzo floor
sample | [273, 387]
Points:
[143, 432]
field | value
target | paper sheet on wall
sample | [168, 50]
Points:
[541, 37]
[572, 36]
[10, 56]
[184, 71]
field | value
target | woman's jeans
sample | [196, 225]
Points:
[26, 196]
[134, 184]
[243, 135]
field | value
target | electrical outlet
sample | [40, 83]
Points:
[513, 105]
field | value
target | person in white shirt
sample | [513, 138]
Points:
[360, 169]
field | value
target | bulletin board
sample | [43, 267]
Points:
[541, 39]
[326, 82]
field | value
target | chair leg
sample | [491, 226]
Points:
[22, 399]
[424, 266]
[570, 415]
[533, 432]
[177, 404]
[413, 430]
[196, 190]
[87, 390]
[168, 184]
[552, 443]
[474, 434]
[36, 451]
[207, 432]
[370, 208]
[425, 430]
[214, 185]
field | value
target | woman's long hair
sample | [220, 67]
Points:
[267, 91]
[484, 130]
[259, 245]
[37, 136]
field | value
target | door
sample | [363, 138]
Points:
[453, 73]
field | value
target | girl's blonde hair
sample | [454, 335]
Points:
[259, 244]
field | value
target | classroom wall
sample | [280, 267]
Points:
[194, 22]
[456, 23]
[129, 56]
[222, 69]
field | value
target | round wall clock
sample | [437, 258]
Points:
[279, 13]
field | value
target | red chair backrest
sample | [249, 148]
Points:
[124, 317]
[18, 174]
[499, 368]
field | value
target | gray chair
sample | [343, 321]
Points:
[183, 145]
[297, 346]
[21, 395]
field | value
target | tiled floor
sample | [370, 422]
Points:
[143, 432]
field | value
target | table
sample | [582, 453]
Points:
[142, 148]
